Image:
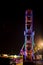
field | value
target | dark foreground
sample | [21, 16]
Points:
[28, 63]
[4, 61]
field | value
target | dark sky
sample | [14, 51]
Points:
[12, 20]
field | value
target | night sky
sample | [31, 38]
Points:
[12, 20]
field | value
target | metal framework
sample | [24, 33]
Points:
[27, 49]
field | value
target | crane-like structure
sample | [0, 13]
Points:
[27, 48]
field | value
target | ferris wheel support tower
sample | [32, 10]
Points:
[27, 48]
[29, 34]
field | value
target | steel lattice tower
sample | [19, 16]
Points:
[28, 33]
[27, 49]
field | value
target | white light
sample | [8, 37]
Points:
[5, 55]
[15, 56]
